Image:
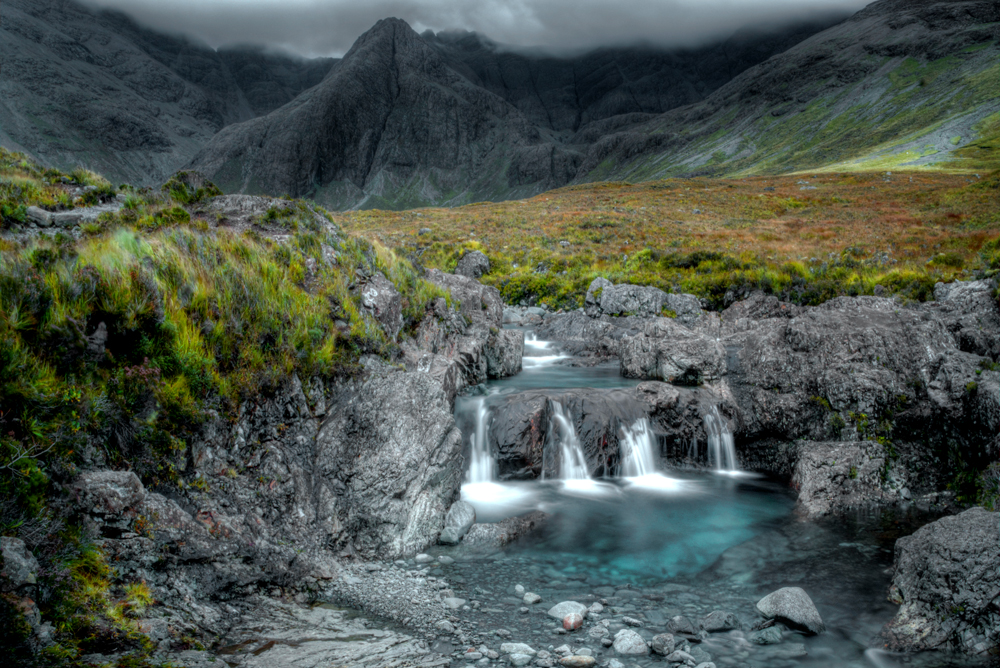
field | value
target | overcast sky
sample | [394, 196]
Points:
[329, 27]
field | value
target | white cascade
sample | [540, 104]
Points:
[637, 447]
[572, 462]
[482, 465]
[721, 447]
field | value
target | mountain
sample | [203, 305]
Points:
[79, 87]
[903, 83]
[406, 120]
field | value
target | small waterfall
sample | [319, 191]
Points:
[637, 447]
[721, 447]
[482, 465]
[572, 462]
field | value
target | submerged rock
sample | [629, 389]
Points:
[768, 636]
[629, 642]
[949, 565]
[719, 621]
[460, 518]
[792, 606]
[495, 536]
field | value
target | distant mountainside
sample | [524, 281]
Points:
[903, 83]
[406, 120]
[94, 88]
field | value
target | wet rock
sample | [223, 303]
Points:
[494, 536]
[473, 264]
[460, 518]
[572, 621]
[615, 663]
[519, 659]
[531, 598]
[423, 558]
[595, 608]
[835, 477]
[517, 648]
[682, 626]
[598, 631]
[453, 603]
[768, 636]
[630, 643]
[719, 620]
[20, 568]
[560, 610]
[792, 606]
[631, 621]
[445, 626]
[519, 590]
[663, 643]
[679, 656]
[578, 661]
[504, 353]
[950, 565]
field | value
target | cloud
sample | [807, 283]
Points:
[329, 27]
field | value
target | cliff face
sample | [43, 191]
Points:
[88, 88]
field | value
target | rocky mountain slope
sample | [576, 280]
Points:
[901, 83]
[88, 88]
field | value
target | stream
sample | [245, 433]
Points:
[651, 543]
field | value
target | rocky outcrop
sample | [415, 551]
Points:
[836, 477]
[605, 298]
[473, 264]
[948, 586]
[667, 350]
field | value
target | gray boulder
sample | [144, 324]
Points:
[947, 583]
[719, 621]
[20, 568]
[792, 606]
[504, 353]
[497, 535]
[640, 300]
[460, 518]
[381, 298]
[667, 350]
[473, 264]
[663, 644]
[834, 477]
[39, 217]
[109, 493]
[630, 643]
[592, 302]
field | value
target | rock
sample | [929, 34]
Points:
[578, 661]
[615, 663]
[424, 230]
[453, 603]
[592, 302]
[640, 300]
[473, 264]
[505, 353]
[494, 536]
[631, 621]
[531, 598]
[598, 631]
[707, 664]
[460, 518]
[39, 217]
[560, 610]
[519, 659]
[835, 477]
[67, 219]
[948, 565]
[20, 568]
[682, 626]
[516, 648]
[109, 493]
[445, 560]
[663, 643]
[630, 643]
[768, 636]
[382, 299]
[445, 626]
[572, 621]
[792, 606]
[667, 350]
[423, 558]
[679, 656]
[719, 620]
[519, 590]
[595, 608]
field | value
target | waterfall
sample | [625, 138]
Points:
[637, 447]
[482, 465]
[572, 462]
[721, 448]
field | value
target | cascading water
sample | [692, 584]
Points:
[637, 450]
[482, 465]
[572, 462]
[721, 447]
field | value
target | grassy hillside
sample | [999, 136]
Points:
[114, 345]
[806, 238]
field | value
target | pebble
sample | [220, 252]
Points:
[607, 642]
[446, 561]
[423, 559]
[445, 625]
[519, 659]
[680, 657]
[454, 603]
[560, 610]
[630, 643]
[519, 590]
[596, 609]
[563, 649]
[579, 661]
[631, 621]
[531, 598]
[615, 663]
[572, 621]
[516, 648]
[473, 656]
[663, 643]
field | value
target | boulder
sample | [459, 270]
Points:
[792, 606]
[381, 298]
[473, 264]
[592, 302]
[504, 353]
[630, 643]
[835, 477]
[949, 565]
[560, 610]
[460, 518]
[667, 350]
[20, 568]
[682, 626]
[109, 493]
[663, 644]
[640, 300]
[495, 536]
[39, 217]
[719, 621]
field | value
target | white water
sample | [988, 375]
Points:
[637, 447]
[572, 462]
[539, 353]
[721, 447]
[482, 465]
